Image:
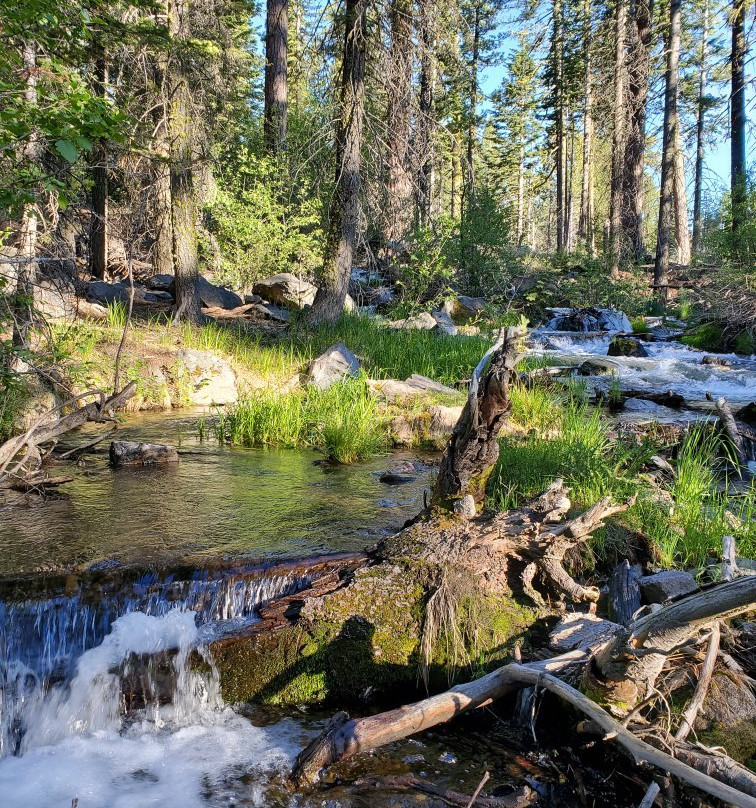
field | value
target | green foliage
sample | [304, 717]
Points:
[342, 420]
[708, 337]
[258, 233]
[427, 275]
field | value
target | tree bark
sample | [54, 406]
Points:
[31, 152]
[700, 131]
[182, 154]
[559, 127]
[426, 120]
[738, 118]
[618, 136]
[521, 195]
[472, 122]
[398, 182]
[160, 199]
[474, 446]
[671, 123]
[344, 212]
[98, 230]
[682, 231]
[633, 190]
[585, 227]
[275, 113]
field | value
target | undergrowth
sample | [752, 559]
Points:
[684, 520]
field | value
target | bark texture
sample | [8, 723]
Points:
[275, 113]
[738, 120]
[344, 211]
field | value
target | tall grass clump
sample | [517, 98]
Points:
[117, 313]
[343, 421]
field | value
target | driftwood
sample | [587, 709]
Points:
[42, 432]
[730, 427]
[133, 453]
[473, 447]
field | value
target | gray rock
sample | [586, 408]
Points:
[335, 364]
[287, 290]
[663, 586]
[413, 387]
[253, 299]
[217, 297]
[465, 507]
[107, 293]
[270, 312]
[464, 308]
[161, 283]
[133, 453]
[444, 322]
[424, 321]
[210, 378]
[595, 366]
[56, 300]
[158, 296]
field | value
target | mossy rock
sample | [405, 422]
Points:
[361, 644]
[707, 337]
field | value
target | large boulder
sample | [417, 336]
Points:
[626, 346]
[133, 453]
[287, 290]
[208, 378]
[444, 322]
[107, 293]
[589, 320]
[464, 308]
[335, 364]
[217, 297]
[55, 299]
[665, 585]
[161, 283]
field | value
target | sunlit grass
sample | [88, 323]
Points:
[343, 421]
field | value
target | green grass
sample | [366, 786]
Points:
[343, 421]
[117, 315]
[684, 523]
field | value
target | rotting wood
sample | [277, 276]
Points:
[730, 427]
[41, 432]
[473, 447]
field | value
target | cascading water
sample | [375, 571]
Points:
[65, 734]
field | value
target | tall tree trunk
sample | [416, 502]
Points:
[426, 121]
[344, 211]
[585, 227]
[98, 229]
[633, 190]
[160, 200]
[738, 115]
[682, 231]
[569, 236]
[275, 114]
[521, 195]
[455, 185]
[561, 139]
[472, 123]
[618, 137]
[182, 154]
[399, 182]
[666, 199]
[700, 131]
[31, 154]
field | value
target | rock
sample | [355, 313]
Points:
[249, 299]
[55, 299]
[465, 507]
[209, 377]
[424, 321]
[212, 296]
[663, 586]
[596, 366]
[464, 308]
[444, 322]
[413, 387]
[431, 427]
[107, 293]
[349, 305]
[287, 290]
[589, 320]
[161, 283]
[395, 478]
[626, 346]
[716, 361]
[729, 714]
[269, 312]
[132, 453]
[158, 296]
[335, 364]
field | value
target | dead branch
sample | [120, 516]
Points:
[704, 680]
[730, 427]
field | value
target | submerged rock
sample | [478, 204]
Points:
[287, 290]
[664, 586]
[133, 453]
[335, 364]
[626, 346]
[589, 320]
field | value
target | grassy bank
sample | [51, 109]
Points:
[683, 518]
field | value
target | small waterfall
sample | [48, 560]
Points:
[58, 655]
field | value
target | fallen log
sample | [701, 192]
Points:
[730, 428]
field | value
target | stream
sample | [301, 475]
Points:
[160, 561]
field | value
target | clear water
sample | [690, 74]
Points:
[216, 502]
